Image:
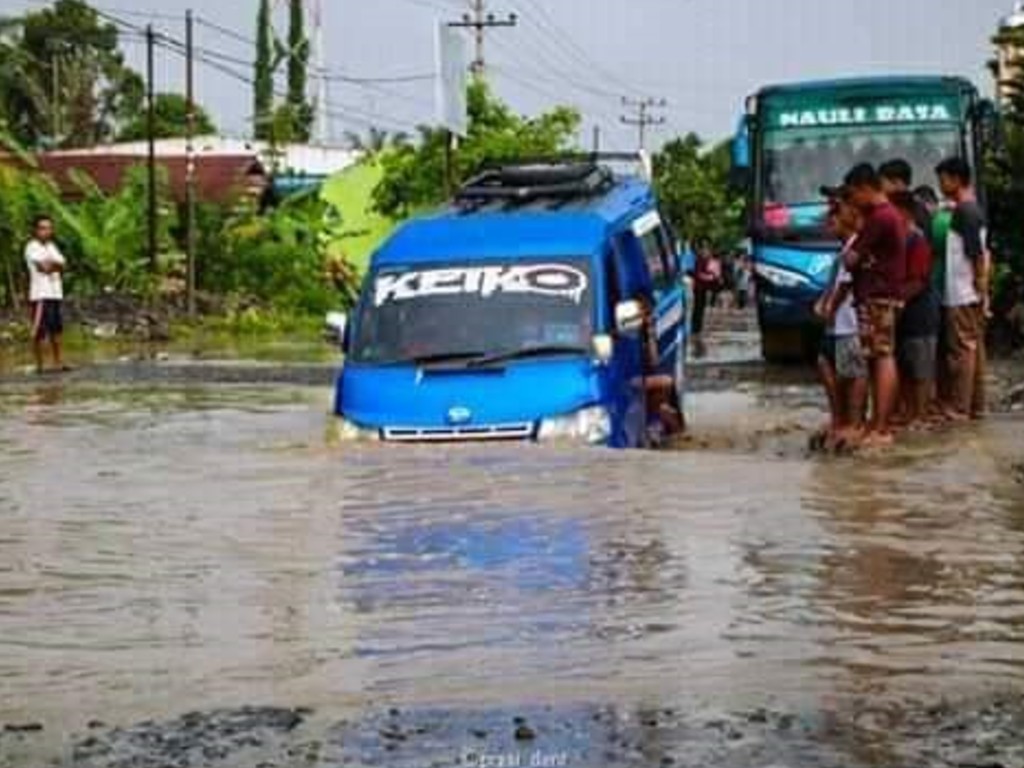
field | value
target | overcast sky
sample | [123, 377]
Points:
[703, 56]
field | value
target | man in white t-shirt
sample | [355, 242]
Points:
[46, 292]
[965, 272]
[842, 365]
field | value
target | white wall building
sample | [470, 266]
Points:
[297, 159]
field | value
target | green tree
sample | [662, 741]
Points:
[300, 110]
[14, 103]
[414, 176]
[376, 140]
[692, 184]
[1006, 169]
[171, 120]
[104, 235]
[263, 87]
[24, 194]
[71, 86]
[281, 259]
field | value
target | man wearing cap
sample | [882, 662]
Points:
[842, 365]
[877, 261]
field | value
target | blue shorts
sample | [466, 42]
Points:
[47, 319]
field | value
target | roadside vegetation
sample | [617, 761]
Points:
[284, 266]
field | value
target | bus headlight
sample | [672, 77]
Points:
[782, 278]
[350, 432]
[591, 425]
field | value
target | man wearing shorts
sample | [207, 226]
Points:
[842, 365]
[917, 332]
[46, 292]
[965, 261]
[878, 263]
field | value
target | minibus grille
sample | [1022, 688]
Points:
[458, 434]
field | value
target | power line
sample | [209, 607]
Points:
[220, 62]
[569, 48]
[553, 76]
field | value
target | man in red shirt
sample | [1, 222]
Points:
[878, 263]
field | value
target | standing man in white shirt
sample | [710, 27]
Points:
[46, 292]
[842, 364]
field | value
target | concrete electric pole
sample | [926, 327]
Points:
[190, 165]
[644, 119]
[480, 21]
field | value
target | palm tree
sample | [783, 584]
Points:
[376, 140]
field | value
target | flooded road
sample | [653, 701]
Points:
[171, 554]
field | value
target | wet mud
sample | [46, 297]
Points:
[967, 735]
[192, 573]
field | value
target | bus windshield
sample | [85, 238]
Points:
[798, 162]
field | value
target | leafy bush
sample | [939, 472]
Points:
[105, 236]
[24, 194]
[414, 176]
[692, 184]
[280, 259]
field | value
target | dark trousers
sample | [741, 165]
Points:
[700, 308]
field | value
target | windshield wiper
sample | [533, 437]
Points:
[446, 357]
[546, 350]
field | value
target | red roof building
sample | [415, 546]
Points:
[220, 178]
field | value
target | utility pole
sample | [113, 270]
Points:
[597, 139]
[151, 137]
[55, 101]
[322, 125]
[480, 21]
[190, 165]
[644, 119]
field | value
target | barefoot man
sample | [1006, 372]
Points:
[878, 263]
[46, 292]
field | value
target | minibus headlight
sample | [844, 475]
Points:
[591, 425]
[350, 432]
[783, 278]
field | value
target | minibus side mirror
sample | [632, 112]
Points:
[337, 327]
[629, 318]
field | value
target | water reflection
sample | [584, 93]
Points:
[166, 550]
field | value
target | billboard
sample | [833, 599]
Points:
[452, 80]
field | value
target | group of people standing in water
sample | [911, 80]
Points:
[907, 306]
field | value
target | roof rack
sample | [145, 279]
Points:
[524, 182]
[640, 161]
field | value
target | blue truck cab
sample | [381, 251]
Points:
[517, 313]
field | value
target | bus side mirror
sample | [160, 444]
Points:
[989, 126]
[739, 179]
[740, 175]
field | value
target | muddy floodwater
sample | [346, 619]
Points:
[196, 574]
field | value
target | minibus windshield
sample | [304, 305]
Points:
[466, 312]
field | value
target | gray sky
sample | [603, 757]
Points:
[704, 56]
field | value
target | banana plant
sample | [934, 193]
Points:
[106, 234]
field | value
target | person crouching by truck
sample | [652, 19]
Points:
[664, 419]
[841, 364]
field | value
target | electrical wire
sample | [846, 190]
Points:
[221, 63]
